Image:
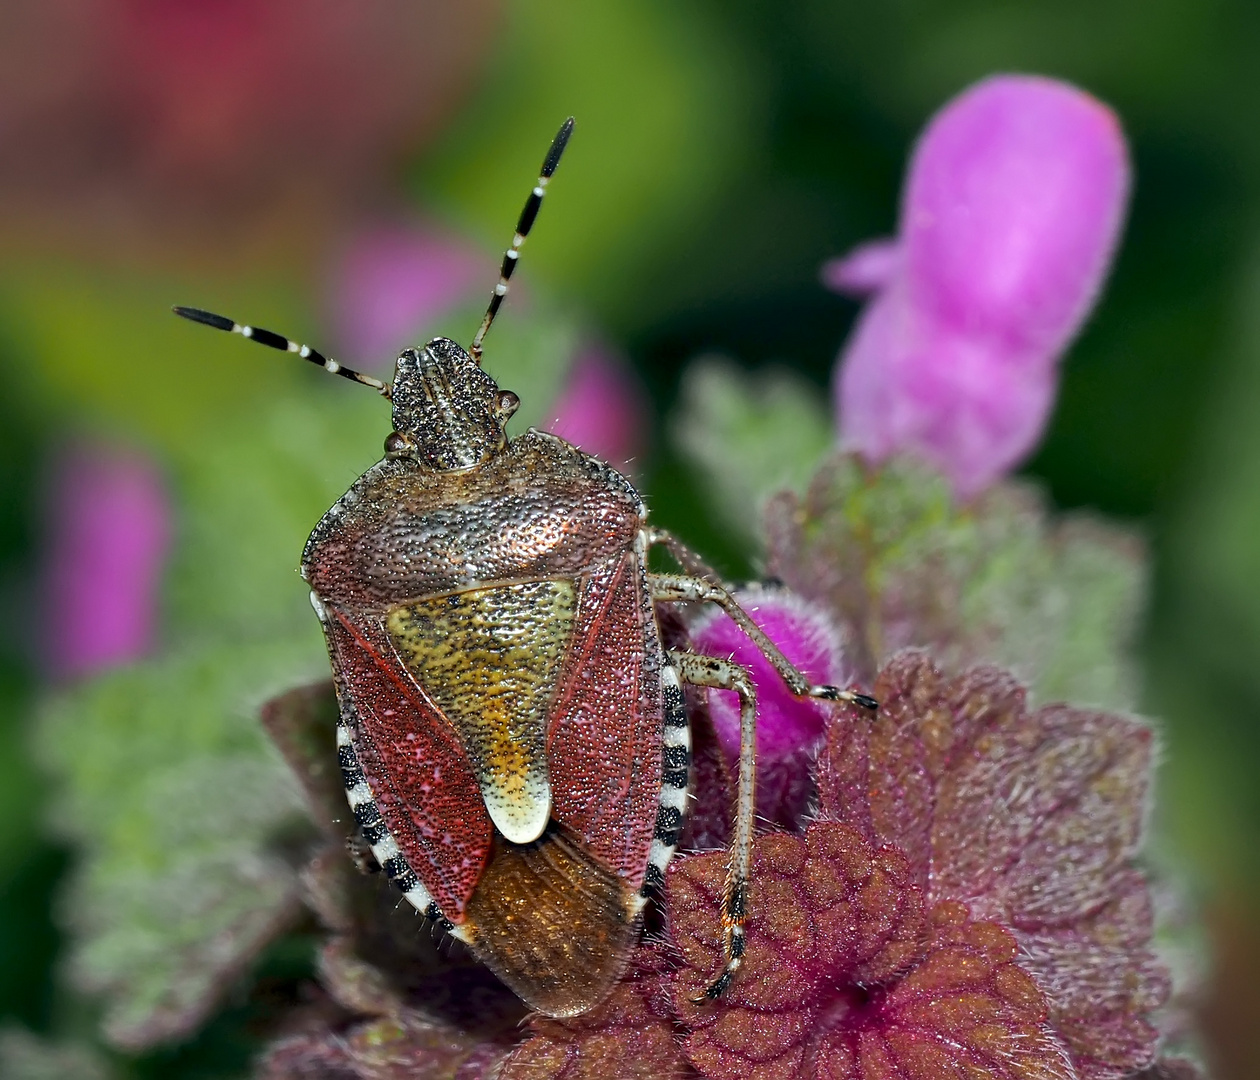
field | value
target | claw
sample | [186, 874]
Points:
[834, 693]
[717, 988]
[720, 985]
[733, 944]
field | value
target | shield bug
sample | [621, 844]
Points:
[513, 736]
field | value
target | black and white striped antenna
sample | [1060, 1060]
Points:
[523, 225]
[279, 341]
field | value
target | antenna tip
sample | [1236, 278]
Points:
[206, 318]
[557, 148]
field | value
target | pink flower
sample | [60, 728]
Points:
[110, 527]
[601, 409]
[392, 281]
[866, 269]
[788, 729]
[1010, 217]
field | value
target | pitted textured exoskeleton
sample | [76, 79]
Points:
[513, 736]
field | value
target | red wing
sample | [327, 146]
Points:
[415, 766]
[604, 742]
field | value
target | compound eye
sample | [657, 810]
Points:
[508, 403]
[398, 445]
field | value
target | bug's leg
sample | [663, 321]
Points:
[692, 563]
[700, 670]
[679, 588]
[675, 782]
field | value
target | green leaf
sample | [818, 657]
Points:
[98, 350]
[247, 497]
[749, 436]
[25, 1056]
[188, 823]
[190, 829]
[999, 581]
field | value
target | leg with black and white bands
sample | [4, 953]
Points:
[720, 674]
[701, 585]
[675, 782]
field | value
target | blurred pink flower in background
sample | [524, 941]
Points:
[392, 281]
[789, 729]
[602, 409]
[174, 112]
[109, 529]
[1010, 216]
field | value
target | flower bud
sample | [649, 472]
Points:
[1009, 221]
[789, 729]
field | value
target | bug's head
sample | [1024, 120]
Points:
[448, 413]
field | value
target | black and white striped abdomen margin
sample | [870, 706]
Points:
[376, 832]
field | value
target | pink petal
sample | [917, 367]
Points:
[602, 409]
[866, 269]
[110, 528]
[953, 399]
[1011, 215]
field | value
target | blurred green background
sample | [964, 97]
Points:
[722, 152]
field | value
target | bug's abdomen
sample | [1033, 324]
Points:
[557, 919]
